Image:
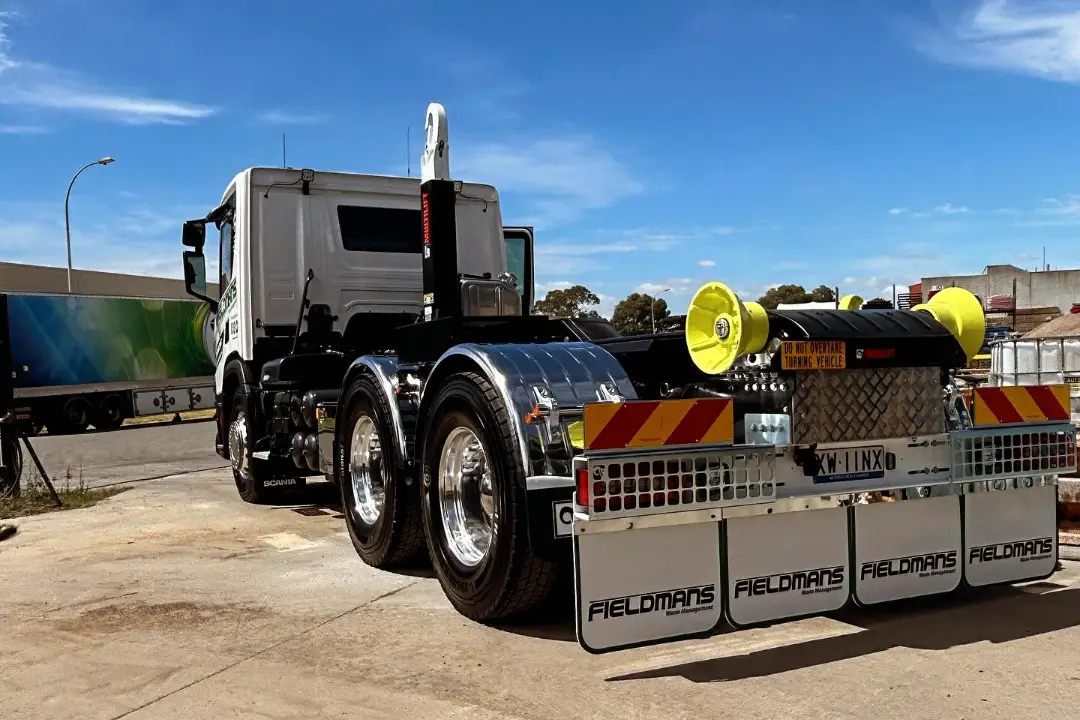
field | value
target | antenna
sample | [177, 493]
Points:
[283, 151]
[408, 151]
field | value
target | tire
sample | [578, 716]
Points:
[75, 415]
[251, 475]
[111, 413]
[510, 580]
[393, 535]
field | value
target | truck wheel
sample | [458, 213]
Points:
[382, 513]
[75, 415]
[475, 506]
[111, 413]
[252, 476]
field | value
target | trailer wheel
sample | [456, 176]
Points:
[111, 413]
[251, 475]
[475, 506]
[74, 416]
[381, 512]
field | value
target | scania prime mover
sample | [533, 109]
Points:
[760, 465]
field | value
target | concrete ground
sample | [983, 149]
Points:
[177, 600]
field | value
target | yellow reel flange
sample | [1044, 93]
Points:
[959, 311]
[720, 328]
[850, 302]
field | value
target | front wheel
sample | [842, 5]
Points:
[381, 512]
[474, 505]
[255, 480]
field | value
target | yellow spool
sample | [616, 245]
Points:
[960, 312]
[720, 328]
[851, 302]
[576, 431]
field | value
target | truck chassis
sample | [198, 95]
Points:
[760, 467]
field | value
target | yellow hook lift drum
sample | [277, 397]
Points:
[721, 328]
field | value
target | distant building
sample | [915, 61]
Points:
[1007, 287]
[16, 277]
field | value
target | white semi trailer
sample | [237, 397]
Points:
[377, 331]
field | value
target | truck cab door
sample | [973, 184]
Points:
[519, 261]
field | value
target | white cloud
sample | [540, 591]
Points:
[22, 130]
[946, 209]
[112, 238]
[1041, 39]
[706, 263]
[1068, 205]
[560, 178]
[284, 117]
[41, 86]
[950, 209]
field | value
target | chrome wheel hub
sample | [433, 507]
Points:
[366, 470]
[466, 497]
[238, 445]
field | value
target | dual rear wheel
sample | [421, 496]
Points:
[468, 510]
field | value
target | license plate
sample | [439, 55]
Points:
[847, 464]
[813, 355]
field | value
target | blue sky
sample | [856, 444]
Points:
[857, 143]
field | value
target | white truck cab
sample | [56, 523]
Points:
[349, 242]
[359, 235]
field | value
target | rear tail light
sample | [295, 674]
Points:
[583, 486]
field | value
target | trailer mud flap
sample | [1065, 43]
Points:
[907, 549]
[1010, 535]
[786, 565]
[643, 586]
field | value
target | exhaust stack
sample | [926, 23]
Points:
[437, 198]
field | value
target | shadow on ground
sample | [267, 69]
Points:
[997, 615]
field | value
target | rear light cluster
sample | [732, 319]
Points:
[627, 485]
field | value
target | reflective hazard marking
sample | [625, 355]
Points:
[1020, 404]
[657, 423]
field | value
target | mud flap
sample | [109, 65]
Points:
[907, 549]
[1010, 535]
[786, 565]
[643, 586]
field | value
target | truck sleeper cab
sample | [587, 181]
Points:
[756, 467]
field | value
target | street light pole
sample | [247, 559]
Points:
[67, 215]
[652, 309]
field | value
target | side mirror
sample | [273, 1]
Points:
[195, 277]
[194, 234]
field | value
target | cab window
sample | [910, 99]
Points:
[379, 229]
[226, 249]
[519, 262]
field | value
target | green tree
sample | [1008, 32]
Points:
[822, 293]
[631, 315]
[784, 294]
[572, 302]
